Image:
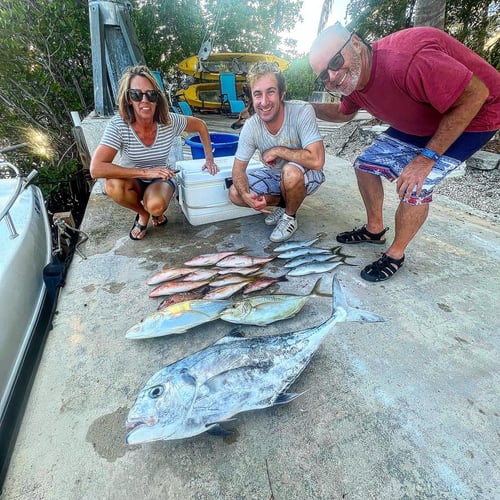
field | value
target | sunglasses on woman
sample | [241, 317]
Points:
[335, 63]
[136, 95]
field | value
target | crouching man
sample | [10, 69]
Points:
[290, 146]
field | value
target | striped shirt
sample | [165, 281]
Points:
[133, 152]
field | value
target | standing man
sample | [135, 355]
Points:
[442, 102]
[287, 137]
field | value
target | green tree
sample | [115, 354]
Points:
[474, 22]
[168, 30]
[299, 79]
[252, 26]
[45, 67]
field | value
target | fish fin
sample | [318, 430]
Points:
[236, 332]
[218, 430]
[286, 397]
[353, 314]
[315, 291]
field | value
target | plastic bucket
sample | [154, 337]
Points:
[222, 145]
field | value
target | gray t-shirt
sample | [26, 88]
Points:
[299, 129]
[120, 135]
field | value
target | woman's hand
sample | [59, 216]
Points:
[157, 173]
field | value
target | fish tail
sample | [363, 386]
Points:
[352, 314]
[315, 291]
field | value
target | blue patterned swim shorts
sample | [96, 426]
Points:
[268, 181]
[388, 157]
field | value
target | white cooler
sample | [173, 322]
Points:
[204, 198]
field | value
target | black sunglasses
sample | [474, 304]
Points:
[136, 95]
[335, 63]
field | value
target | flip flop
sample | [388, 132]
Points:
[158, 221]
[141, 228]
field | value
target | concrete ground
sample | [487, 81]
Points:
[408, 408]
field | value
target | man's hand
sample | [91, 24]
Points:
[413, 176]
[270, 157]
[211, 166]
[257, 202]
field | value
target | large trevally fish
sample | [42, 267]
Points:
[233, 375]
[263, 310]
[177, 318]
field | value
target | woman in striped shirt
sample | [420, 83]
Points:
[142, 133]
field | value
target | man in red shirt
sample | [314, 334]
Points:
[442, 102]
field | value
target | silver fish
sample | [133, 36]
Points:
[177, 318]
[209, 259]
[307, 259]
[233, 375]
[169, 273]
[243, 261]
[298, 252]
[173, 287]
[315, 268]
[289, 245]
[266, 309]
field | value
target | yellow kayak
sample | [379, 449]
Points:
[226, 62]
[205, 95]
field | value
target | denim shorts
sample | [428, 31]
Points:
[268, 181]
[387, 157]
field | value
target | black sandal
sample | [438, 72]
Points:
[382, 269]
[361, 235]
[142, 229]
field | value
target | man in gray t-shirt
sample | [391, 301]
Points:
[289, 143]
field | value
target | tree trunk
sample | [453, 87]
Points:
[430, 13]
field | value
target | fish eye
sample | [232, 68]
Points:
[156, 391]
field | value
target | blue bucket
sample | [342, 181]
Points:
[222, 145]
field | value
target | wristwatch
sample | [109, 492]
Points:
[430, 154]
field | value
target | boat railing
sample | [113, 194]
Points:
[21, 184]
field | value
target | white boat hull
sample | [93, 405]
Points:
[22, 288]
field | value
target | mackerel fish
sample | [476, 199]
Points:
[315, 268]
[263, 310]
[298, 252]
[289, 245]
[207, 388]
[307, 259]
[177, 318]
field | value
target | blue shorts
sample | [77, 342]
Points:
[268, 181]
[392, 151]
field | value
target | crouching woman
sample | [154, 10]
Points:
[142, 133]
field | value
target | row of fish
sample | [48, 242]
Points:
[208, 388]
[197, 295]
[259, 310]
